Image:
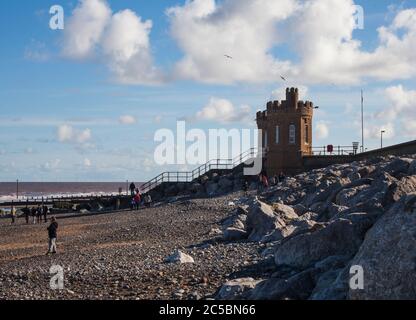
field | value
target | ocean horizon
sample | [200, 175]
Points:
[8, 190]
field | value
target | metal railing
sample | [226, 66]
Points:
[183, 176]
[337, 150]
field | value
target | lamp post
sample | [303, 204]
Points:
[381, 137]
[17, 189]
[362, 120]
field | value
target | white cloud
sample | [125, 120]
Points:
[321, 130]
[87, 162]
[36, 51]
[319, 32]
[373, 131]
[127, 119]
[223, 111]
[121, 40]
[51, 165]
[85, 28]
[244, 29]
[66, 133]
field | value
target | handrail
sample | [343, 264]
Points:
[189, 176]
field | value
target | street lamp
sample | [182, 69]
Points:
[381, 136]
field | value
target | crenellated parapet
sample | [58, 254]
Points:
[292, 104]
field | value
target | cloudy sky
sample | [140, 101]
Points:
[83, 103]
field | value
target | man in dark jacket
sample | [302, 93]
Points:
[52, 233]
[132, 189]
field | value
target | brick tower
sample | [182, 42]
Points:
[286, 132]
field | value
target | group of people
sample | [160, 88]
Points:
[37, 214]
[263, 182]
[137, 198]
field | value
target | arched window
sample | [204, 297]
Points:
[306, 134]
[292, 134]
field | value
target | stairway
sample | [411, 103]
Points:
[190, 176]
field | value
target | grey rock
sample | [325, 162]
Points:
[234, 234]
[179, 257]
[234, 289]
[341, 237]
[388, 255]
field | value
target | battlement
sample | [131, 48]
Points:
[292, 104]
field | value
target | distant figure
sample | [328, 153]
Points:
[147, 200]
[45, 213]
[26, 212]
[132, 204]
[137, 199]
[273, 181]
[33, 212]
[245, 186]
[276, 179]
[13, 214]
[132, 188]
[39, 214]
[52, 233]
[281, 176]
[265, 181]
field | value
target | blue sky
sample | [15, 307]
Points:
[61, 104]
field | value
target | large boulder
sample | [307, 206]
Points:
[179, 257]
[234, 289]
[341, 237]
[234, 234]
[412, 168]
[405, 186]
[397, 166]
[388, 255]
[262, 220]
[297, 287]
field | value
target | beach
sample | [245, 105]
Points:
[121, 255]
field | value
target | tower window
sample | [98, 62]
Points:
[265, 139]
[306, 134]
[292, 134]
[277, 134]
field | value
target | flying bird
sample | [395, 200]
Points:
[227, 56]
[283, 78]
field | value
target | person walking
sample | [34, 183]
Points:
[148, 200]
[52, 234]
[132, 189]
[33, 212]
[281, 176]
[39, 214]
[45, 213]
[26, 212]
[13, 214]
[137, 200]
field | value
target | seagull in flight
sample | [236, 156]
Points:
[283, 78]
[227, 56]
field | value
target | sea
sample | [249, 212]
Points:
[8, 190]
